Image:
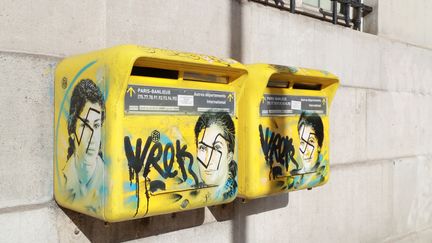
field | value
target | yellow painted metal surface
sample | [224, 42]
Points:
[284, 119]
[144, 131]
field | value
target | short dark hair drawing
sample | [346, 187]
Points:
[222, 120]
[313, 120]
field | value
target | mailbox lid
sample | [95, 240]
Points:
[285, 105]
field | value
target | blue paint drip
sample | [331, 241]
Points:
[268, 133]
[131, 200]
[103, 191]
[169, 155]
[62, 108]
[128, 187]
[314, 182]
[218, 192]
[107, 161]
[189, 181]
[164, 139]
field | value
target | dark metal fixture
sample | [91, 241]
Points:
[343, 18]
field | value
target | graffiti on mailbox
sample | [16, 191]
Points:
[302, 167]
[83, 172]
[311, 134]
[148, 158]
[278, 151]
[212, 167]
[215, 141]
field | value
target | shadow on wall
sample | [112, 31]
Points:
[256, 206]
[238, 210]
[240, 207]
[236, 28]
[99, 231]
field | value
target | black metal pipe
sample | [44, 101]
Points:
[292, 6]
[334, 9]
[347, 13]
[357, 13]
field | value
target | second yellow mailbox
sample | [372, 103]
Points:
[144, 131]
[284, 120]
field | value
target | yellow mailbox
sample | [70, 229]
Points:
[144, 131]
[284, 120]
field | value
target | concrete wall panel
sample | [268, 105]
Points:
[396, 124]
[36, 225]
[52, 27]
[195, 26]
[348, 126]
[26, 105]
[405, 21]
[412, 198]
[320, 214]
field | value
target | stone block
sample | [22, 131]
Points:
[412, 198]
[52, 27]
[355, 206]
[26, 104]
[24, 225]
[194, 26]
[397, 124]
[348, 126]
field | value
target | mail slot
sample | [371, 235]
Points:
[144, 131]
[284, 120]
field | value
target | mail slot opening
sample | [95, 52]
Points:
[177, 71]
[277, 84]
[211, 78]
[278, 81]
[154, 72]
[307, 86]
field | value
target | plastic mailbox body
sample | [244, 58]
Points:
[284, 124]
[144, 131]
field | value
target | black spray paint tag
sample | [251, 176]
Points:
[288, 105]
[141, 99]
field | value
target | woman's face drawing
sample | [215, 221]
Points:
[88, 133]
[213, 155]
[309, 148]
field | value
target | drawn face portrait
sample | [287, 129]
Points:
[309, 148]
[213, 155]
[88, 133]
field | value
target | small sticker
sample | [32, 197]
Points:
[295, 105]
[133, 107]
[185, 100]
